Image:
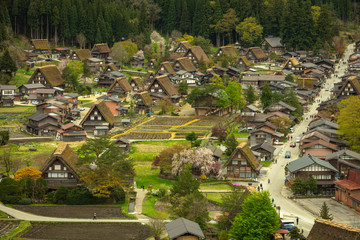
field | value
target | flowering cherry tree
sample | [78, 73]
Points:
[201, 158]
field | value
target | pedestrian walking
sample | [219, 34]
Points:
[297, 220]
[258, 189]
[260, 185]
[94, 218]
[272, 200]
[269, 181]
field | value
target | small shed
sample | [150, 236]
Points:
[125, 122]
[182, 228]
[123, 144]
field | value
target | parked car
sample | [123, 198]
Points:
[287, 154]
[288, 224]
[81, 108]
[291, 129]
[326, 89]
[293, 144]
[297, 139]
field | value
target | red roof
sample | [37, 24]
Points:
[348, 184]
[282, 231]
[356, 196]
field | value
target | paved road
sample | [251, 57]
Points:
[276, 174]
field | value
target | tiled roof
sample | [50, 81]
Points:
[338, 154]
[274, 42]
[307, 161]
[183, 227]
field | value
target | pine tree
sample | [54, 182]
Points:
[55, 22]
[185, 19]
[7, 64]
[266, 96]
[230, 144]
[325, 213]
[250, 95]
[171, 17]
[324, 25]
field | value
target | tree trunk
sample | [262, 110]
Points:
[217, 39]
[15, 26]
[56, 36]
[31, 33]
[47, 26]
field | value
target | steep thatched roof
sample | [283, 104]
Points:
[145, 96]
[331, 230]
[122, 83]
[137, 82]
[41, 44]
[258, 52]
[198, 53]
[247, 153]
[166, 84]
[101, 48]
[83, 54]
[64, 152]
[167, 68]
[52, 74]
[186, 64]
[227, 50]
[104, 110]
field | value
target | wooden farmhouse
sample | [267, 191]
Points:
[180, 50]
[265, 149]
[98, 120]
[243, 63]
[111, 67]
[27, 89]
[350, 87]
[196, 54]
[344, 160]
[263, 134]
[152, 63]
[42, 124]
[71, 133]
[120, 86]
[322, 171]
[60, 168]
[161, 87]
[273, 44]
[8, 94]
[143, 103]
[228, 51]
[242, 163]
[280, 106]
[256, 54]
[137, 62]
[80, 54]
[184, 64]
[165, 68]
[100, 50]
[136, 84]
[49, 76]
[207, 106]
[40, 46]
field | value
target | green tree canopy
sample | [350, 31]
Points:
[266, 96]
[250, 31]
[250, 95]
[325, 212]
[258, 219]
[347, 118]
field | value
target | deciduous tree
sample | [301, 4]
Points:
[258, 219]
[347, 118]
[28, 172]
[106, 166]
[250, 31]
[119, 53]
[164, 159]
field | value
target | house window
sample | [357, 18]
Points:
[239, 155]
[160, 90]
[99, 117]
[50, 168]
[92, 118]
[57, 167]
[351, 89]
[152, 90]
[64, 168]
[156, 85]
[243, 162]
[95, 112]
[133, 84]
[234, 162]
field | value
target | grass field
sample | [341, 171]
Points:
[146, 151]
[145, 176]
[266, 163]
[22, 76]
[18, 110]
[212, 186]
[216, 197]
[148, 208]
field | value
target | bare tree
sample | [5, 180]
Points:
[81, 39]
[157, 226]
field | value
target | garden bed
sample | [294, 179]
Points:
[102, 212]
[7, 226]
[147, 135]
[168, 121]
[79, 231]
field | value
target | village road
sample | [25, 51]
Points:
[276, 174]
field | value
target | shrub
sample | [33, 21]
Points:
[79, 196]
[118, 194]
[25, 201]
[50, 197]
[10, 191]
[61, 194]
